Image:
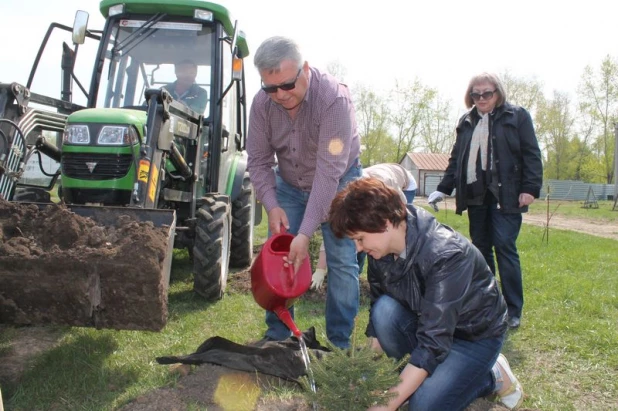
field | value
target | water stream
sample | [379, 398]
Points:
[307, 361]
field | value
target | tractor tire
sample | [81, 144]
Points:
[211, 248]
[243, 222]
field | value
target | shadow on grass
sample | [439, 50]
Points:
[182, 267]
[509, 349]
[182, 300]
[75, 371]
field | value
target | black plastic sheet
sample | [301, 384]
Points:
[278, 358]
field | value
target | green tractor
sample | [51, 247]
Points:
[131, 144]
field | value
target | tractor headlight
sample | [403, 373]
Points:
[115, 10]
[117, 136]
[76, 134]
[203, 15]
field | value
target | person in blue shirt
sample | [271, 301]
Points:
[185, 89]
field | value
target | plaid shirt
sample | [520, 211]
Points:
[314, 150]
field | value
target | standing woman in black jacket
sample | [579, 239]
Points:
[497, 171]
[432, 296]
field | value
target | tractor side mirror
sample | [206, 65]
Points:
[80, 25]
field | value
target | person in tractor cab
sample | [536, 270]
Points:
[185, 89]
[433, 297]
[306, 120]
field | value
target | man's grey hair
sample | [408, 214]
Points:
[273, 51]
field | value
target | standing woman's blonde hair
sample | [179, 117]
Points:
[482, 78]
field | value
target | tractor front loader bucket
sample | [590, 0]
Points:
[103, 267]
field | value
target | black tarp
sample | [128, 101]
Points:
[279, 358]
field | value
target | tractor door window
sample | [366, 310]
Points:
[229, 108]
[174, 55]
[50, 79]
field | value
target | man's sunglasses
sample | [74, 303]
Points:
[285, 86]
[485, 96]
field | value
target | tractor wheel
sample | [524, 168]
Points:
[211, 250]
[243, 220]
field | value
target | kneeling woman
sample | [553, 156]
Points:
[433, 297]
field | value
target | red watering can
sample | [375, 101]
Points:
[274, 286]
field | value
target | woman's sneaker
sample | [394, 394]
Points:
[513, 395]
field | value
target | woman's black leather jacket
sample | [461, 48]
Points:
[444, 280]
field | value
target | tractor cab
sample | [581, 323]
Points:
[170, 52]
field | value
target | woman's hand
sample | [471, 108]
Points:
[525, 199]
[374, 344]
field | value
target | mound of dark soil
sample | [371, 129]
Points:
[108, 270]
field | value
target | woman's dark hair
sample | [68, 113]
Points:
[365, 205]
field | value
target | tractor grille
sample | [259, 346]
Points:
[104, 166]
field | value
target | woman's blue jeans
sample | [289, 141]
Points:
[464, 375]
[342, 293]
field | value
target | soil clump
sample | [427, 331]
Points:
[58, 267]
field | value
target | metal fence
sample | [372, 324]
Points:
[576, 190]
[557, 189]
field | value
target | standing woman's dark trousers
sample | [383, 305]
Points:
[491, 229]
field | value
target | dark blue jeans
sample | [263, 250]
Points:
[409, 195]
[465, 374]
[342, 287]
[490, 230]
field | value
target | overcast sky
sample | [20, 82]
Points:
[443, 43]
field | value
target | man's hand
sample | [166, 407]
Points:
[299, 250]
[276, 219]
[434, 198]
[525, 199]
[318, 279]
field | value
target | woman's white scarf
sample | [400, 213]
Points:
[479, 141]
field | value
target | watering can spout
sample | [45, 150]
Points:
[286, 318]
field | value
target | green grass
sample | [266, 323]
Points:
[565, 353]
[576, 209]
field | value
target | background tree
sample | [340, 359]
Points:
[372, 120]
[554, 125]
[581, 145]
[437, 127]
[337, 70]
[409, 105]
[525, 92]
[598, 93]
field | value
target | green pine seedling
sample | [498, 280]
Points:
[352, 379]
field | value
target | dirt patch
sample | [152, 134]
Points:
[218, 388]
[25, 343]
[581, 225]
[58, 267]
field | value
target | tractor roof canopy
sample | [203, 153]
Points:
[179, 8]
